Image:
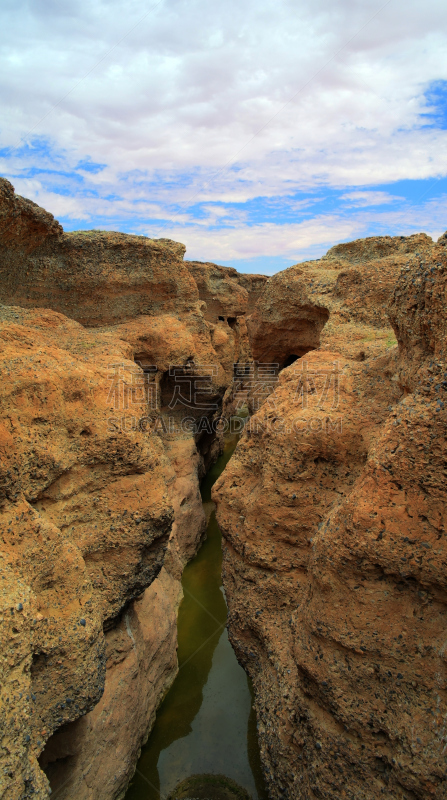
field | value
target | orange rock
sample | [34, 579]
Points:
[333, 510]
[336, 302]
[97, 278]
[98, 513]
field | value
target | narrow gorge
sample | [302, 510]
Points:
[122, 364]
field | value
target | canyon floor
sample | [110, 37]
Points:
[120, 362]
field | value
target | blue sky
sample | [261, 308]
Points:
[258, 134]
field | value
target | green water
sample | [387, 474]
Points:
[206, 723]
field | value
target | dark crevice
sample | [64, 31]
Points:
[60, 753]
[290, 359]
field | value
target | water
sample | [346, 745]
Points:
[206, 723]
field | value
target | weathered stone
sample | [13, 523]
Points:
[98, 513]
[337, 302]
[333, 510]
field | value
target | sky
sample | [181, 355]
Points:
[257, 132]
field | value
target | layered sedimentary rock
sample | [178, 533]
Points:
[105, 350]
[333, 510]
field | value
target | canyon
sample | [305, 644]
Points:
[120, 360]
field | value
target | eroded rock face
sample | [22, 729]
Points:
[337, 301]
[254, 284]
[333, 510]
[221, 290]
[226, 292]
[230, 297]
[141, 665]
[24, 226]
[85, 518]
[98, 513]
[97, 278]
[91, 509]
[333, 507]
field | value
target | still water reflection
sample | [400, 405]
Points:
[206, 723]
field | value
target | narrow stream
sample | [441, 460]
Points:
[206, 723]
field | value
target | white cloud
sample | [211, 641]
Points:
[295, 241]
[196, 78]
[369, 198]
[308, 239]
[237, 240]
[199, 86]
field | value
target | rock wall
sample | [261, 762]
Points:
[333, 510]
[105, 348]
[94, 277]
[337, 301]
[90, 513]
[230, 299]
[226, 292]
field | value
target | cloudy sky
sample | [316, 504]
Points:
[257, 132]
